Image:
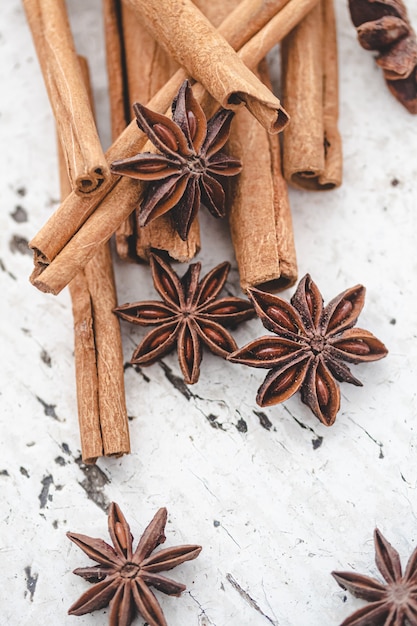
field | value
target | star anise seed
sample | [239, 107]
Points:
[186, 172]
[189, 316]
[123, 577]
[311, 346]
[393, 603]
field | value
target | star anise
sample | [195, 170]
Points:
[189, 316]
[393, 603]
[186, 172]
[123, 578]
[312, 344]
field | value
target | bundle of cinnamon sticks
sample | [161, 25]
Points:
[151, 47]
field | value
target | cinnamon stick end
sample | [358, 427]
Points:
[88, 183]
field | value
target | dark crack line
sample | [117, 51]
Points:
[244, 594]
[176, 381]
[31, 581]
[44, 496]
[48, 409]
[203, 614]
[93, 484]
[318, 439]
[204, 483]
[264, 420]
[378, 443]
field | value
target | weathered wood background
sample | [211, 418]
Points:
[277, 500]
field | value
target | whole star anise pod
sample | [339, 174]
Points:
[189, 316]
[186, 172]
[312, 344]
[122, 577]
[393, 603]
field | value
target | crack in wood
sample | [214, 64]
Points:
[245, 595]
[4, 269]
[45, 357]
[378, 443]
[176, 381]
[48, 409]
[212, 420]
[44, 495]
[19, 214]
[20, 244]
[203, 619]
[318, 439]
[241, 426]
[137, 369]
[93, 484]
[31, 581]
[264, 420]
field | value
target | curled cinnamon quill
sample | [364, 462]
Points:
[383, 25]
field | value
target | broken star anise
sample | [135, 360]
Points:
[186, 172]
[312, 344]
[383, 25]
[123, 577]
[393, 603]
[189, 316]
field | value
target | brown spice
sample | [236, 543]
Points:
[390, 602]
[189, 316]
[259, 213]
[85, 162]
[98, 355]
[194, 43]
[312, 152]
[123, 578]
[188, 169]
[383, 25]
[312, 345]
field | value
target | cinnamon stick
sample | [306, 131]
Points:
[111, 391]
[259, 214]
[195, 44]
[116, 57]
[312, 152]
[85, 162]
[98, 352]
[126, 193]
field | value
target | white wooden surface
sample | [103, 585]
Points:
[276, 499]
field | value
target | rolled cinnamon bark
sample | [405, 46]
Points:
[195, 44]
[111, 390]
[115, 41]
[115, 64]
[312, 153]
[84, 158]
[98, 354]
[259, 214]
[126, 193]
